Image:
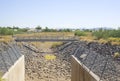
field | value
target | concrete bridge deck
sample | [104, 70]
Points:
[46, 38]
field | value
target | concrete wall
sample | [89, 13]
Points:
[81, 72]
[16, 71]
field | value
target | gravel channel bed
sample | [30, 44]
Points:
[37, 68]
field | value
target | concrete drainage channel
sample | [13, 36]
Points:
[93, 61]
[37, 67]
[90, 62]
[11, 62]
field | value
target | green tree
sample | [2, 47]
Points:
[38, 28]
[46, 29]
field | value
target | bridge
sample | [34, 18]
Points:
[46, 38]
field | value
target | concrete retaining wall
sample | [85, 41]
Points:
[81, 72]
[16, 71]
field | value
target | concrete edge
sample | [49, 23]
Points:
[87, 69]
[4, 75]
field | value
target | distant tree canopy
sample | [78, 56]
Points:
[12, 30]
[6, 31]
[55, 30]
[65, 30]
[38, 28]
[49, 30]
[106, 33]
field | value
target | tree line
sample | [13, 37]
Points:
[98, 33]
[46, 29]
[11, 30]
[16, 30]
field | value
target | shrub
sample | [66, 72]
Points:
[114, 33]
[100, 34]
[79, 33]
[1, 79]
[116, 55]
[111, 39]
[6, 31]
[56, 45]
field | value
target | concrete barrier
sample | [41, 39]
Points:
[80, 72]
[16, 72]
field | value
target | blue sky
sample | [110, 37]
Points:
[60, 13]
